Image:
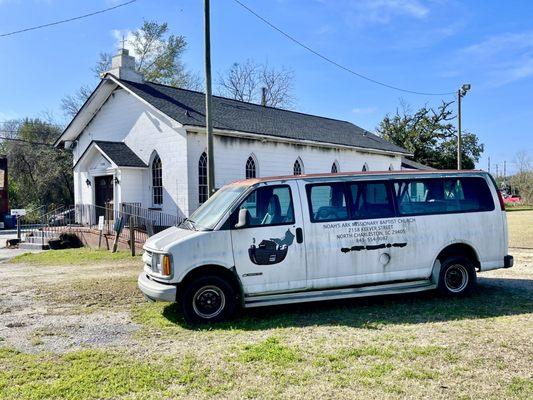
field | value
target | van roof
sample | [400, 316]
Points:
[254, 181]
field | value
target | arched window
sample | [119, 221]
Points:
[250, 171]
[365, 167]
[297, 168]
[391, 167]
[202, 179]
[335, 167]
[157, 181]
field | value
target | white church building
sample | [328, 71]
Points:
[139, 142]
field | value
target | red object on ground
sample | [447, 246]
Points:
[512, 199]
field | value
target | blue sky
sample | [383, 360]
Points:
[430, 46]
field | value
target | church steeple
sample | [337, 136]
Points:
[123, 67]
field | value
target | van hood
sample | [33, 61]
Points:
[169, 236]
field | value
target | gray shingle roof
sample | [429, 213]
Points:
[410, 164]
[120, 154]
[188, 108]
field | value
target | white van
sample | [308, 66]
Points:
[304, 238]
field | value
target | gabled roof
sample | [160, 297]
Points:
[188, 108]
[118, 152]
[410, 164]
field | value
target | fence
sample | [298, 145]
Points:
[129, 219]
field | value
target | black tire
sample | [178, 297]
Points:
[207, 299]
[457, 276]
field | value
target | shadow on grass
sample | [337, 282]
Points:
[493, 298]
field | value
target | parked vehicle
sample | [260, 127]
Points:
[512, 199]
[293, 239]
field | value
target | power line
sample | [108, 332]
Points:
[329, 60]
[67, 20]
[26, 141]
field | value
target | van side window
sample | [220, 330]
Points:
[371, 200]
[269, 205]
[327, 202]
[442, 195]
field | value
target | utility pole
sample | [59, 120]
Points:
[460, 94]
[208, 108]
[489, 164]
[504, 170]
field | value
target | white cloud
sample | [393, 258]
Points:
[505, 42]
[364, 110]
[119, 35]
[502, 59]
[382, 11]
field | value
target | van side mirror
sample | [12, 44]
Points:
[244, 218]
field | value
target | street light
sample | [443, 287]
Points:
[460, 94]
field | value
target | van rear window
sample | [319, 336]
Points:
[442, 195]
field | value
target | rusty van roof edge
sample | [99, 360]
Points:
[254, 181]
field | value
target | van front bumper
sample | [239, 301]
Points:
[508, 261]
[154, 290]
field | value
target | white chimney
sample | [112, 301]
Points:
[123, 67]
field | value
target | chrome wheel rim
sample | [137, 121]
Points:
[456, 278]
[208, 302]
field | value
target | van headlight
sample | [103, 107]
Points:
[161, 264]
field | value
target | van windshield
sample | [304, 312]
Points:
[209, 213]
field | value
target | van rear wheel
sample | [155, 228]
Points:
[457, 276]
[207, 299]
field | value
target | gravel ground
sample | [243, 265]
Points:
[31, 323]
[40, 312]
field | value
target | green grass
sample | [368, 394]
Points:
[93, 374]
[521, 388]
[270, 351]
[82, 256]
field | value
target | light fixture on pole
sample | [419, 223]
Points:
[460, 94]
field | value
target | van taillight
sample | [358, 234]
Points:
[500, 197]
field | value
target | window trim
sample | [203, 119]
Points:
[300, 165]
[397, 205]
[206, 178]
[235, 213]
[251, 158]
[155, 158]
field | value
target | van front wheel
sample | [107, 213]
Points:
[457, 276]
[208, 299]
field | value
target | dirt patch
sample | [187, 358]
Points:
[47, 308]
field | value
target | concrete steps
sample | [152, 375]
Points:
[33, 246]
[37, 240]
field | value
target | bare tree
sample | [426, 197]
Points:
[158, 58]
[243, 81]
[522, 180]
[71, 103]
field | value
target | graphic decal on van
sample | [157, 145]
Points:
[372, 247]
[271, 251]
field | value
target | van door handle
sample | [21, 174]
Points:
[299, 235]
